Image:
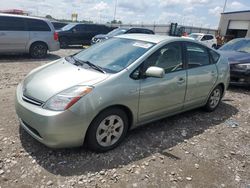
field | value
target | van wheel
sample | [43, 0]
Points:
[38, 50]
[64, 43]
[107, 130]
[214, 99]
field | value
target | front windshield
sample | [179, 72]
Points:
[114, 54]
[240, 45]
[118, 31]
[194, 36]
[68, 27]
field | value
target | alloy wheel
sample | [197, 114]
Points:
[109, 130]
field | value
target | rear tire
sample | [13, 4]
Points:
[38, 50]
[107, 130]
[214, 99]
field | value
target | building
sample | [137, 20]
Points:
[15, 11]
[235, 24]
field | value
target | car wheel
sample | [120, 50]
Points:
[214, 46]
[107, 130]
[214, 99]
[38, 50]
[64, 43]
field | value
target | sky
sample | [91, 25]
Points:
[202, 13]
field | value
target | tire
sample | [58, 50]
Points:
[101, 133]
[214, 99]
[64, 43]
[38, 50]
[214, 46]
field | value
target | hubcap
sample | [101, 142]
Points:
[215, 98]
[39, 50]
[109, 130]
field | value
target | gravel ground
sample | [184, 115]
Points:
[190, 150]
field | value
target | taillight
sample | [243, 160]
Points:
[56, 36]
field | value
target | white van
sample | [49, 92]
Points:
[207, 39]
[25, 34]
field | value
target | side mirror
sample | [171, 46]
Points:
[156, 72]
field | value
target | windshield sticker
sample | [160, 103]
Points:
[142, 45]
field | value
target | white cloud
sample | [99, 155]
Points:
[237, 5]
[216, 11]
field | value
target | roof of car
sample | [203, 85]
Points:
[201, 34]
[22, 16]
[198, 33]
[148, 38]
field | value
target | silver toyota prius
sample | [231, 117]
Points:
[97, 95]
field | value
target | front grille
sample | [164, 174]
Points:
[32, 100]
[32, 129]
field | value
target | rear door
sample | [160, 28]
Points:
[81, 34]
[13, 34]
[202, 74]
[39, 30]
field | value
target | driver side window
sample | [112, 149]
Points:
[168, 57]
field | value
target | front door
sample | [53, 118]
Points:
[160, 96]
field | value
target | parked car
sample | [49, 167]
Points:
[238, 53]
[120, 31]
[80, 34]
[58, 25]
[97, 95]
[207, 39]
[24, 34]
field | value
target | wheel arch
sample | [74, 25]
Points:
[119, 106]
[38, 41]
[122, 107]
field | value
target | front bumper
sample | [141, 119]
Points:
[240, 77]
[54, 129]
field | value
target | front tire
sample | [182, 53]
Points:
[214, 99]
[107, 130]
[38, 50]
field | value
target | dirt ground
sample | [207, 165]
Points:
[190, 150]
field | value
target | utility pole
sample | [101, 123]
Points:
[115, 10]
[225, 4]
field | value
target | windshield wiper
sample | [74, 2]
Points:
[79, 62]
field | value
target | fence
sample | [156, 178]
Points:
[163, 29]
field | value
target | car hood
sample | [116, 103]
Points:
[48, 80]
[235, 57]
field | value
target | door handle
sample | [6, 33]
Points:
[213, 73]
[180, 80]
[2, 34]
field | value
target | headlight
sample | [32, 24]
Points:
[67, 98]
[243, 66]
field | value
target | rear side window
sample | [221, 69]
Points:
[37, 25]
[214, 56]
[12, 24]
[197, 55]
[207, 37]
[148, 31]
